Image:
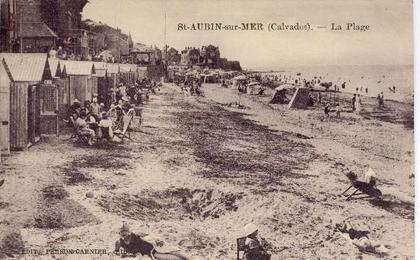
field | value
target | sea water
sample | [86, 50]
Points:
[377, 78]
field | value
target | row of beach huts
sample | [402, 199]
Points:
[36, 91]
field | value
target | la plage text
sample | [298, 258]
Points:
[271, 27]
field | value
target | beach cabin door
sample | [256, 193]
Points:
[49, 109]
[4, 119]
[33, 114]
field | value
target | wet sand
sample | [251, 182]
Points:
[198, 170]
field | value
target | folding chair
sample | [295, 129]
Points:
[127, 119]
[362, 190]
[80, 137]
[240, 247]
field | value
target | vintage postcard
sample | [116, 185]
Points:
[226, 129]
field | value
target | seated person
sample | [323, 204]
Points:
[102, 108]
[105, 127]
[82, 127]
[126, 105]
[253, 247]
[133, 244]
[370, 177]
[75, 107]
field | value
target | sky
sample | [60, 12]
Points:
[388, 42]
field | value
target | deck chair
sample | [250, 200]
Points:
[362, 190]
[126, 121]
[240, 247]
[80, 137]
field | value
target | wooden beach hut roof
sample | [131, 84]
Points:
[27, 67]
[128, 67]
[100, 69]
[55, 67]
[79, 67]
[113, 68]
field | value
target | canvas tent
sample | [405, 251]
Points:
[279, 96]
[254, 88]
[300, 99]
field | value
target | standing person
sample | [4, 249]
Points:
[95, 107]
[319, 97]
[366, 89]
[113, 96]
[52, 53]
[338, 110]
[353, 103]
[131, 92]
[327, 109]
[358, 104]
[378, 98]
[123, 91]
[382, 98]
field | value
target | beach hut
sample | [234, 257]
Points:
[5, 80]
[62, 82]
[128, 73]
[105, 83]
[113, 72]
[141, 72]
[300, 98]
[30, 82]
[82, 83]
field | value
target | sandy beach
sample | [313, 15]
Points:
[198, 170]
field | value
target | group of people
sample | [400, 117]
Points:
[190, 86]
[136, 93]
[132, 244]
[93, 120]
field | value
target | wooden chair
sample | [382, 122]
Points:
[127, 120]
[362, 190]
[240, 247]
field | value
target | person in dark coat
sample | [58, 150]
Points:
[132, 244]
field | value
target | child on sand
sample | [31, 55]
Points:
[338, 110]
[132, 244]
